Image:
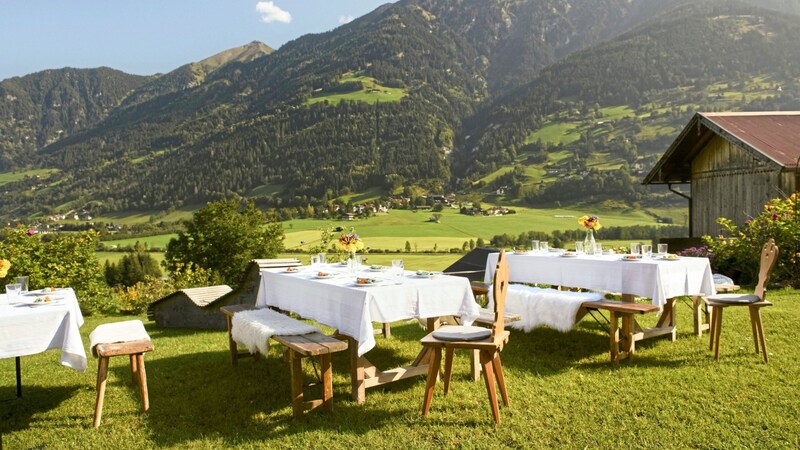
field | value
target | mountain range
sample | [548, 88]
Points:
[547, 98]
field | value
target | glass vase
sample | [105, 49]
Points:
[588, 242]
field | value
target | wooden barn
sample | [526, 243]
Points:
[199, 307]
[734, 163]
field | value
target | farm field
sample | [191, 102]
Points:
[392, 230]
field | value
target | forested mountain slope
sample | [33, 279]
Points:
[431, 93]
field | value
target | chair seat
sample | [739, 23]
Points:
[462, 333]
[733, 299]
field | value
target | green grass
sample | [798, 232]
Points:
[556, 133]
[159, 241]
[9, 177]
[564, 393]
[372, 92]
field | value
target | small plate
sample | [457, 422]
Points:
[670, 258]
[292, 270]
[364, 281]
[376, 268]
[324, 275]
[569, 254]
[427, 274]
[631, 258]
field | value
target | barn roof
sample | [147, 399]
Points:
[201, 296]
[772, 137]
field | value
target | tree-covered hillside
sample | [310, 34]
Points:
[520, 96]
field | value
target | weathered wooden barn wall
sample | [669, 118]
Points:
[729, 182]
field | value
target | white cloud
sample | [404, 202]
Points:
[270, 12]
[345, 19]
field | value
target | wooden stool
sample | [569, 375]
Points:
[117, 339]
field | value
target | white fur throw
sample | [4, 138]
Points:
[254, 328]
[545, 307]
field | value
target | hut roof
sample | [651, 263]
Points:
[201, 296]
[768, 136]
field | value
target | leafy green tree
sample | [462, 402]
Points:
[134, 267]
[223, 237]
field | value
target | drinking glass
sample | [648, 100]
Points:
[598, 248]
[636, 248]
[543, 246]
[647, 250]
[323, 258]
[398, 268]
[578, 247]
[12, 292]
[535, 246]
[23, 282]
[662, 249]
[315, 262]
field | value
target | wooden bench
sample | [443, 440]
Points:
[297, 348]
[625, 311]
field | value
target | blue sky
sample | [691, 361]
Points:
[149, 36]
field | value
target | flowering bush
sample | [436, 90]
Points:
[590, 222]
[737, 251]
[59, 260]
[697, 252]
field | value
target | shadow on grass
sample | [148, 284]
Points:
[18, 413]
[200, 394]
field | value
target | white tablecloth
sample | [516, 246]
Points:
[656, 279]
[27, 330]
[339, 304]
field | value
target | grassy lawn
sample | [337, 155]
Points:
[564, 393]
[372, 92]
[8, 177]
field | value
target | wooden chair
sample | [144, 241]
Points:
[128, 338]
[489, 342]
[754, 301]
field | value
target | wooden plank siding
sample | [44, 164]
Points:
[729, 182]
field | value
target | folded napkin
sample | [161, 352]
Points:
[109, 333]
[253, 329]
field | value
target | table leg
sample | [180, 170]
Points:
[357, 378]
[19, 377]
[700, 317]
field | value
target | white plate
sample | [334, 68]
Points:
[428, 275]
[324, 277]
[569, 254]
[296, 270]
[378, 269]
[625, 258]
[664, 258]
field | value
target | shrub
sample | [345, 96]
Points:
[737, 251]
[58, 260]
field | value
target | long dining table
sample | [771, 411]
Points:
[657, 278]
[28, 327]
[339, 302]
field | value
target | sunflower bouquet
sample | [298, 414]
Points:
[4, 266]
[350, 242]
[590, 222]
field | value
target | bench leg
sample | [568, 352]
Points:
[231, 343]
[627, 335]
[134, 370]
[102, 375]
[143, 382]
[327, 381]
[613, 332]
[296, 370]
[387, 330]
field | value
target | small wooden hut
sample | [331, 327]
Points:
[734, 163]
[199, 307]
